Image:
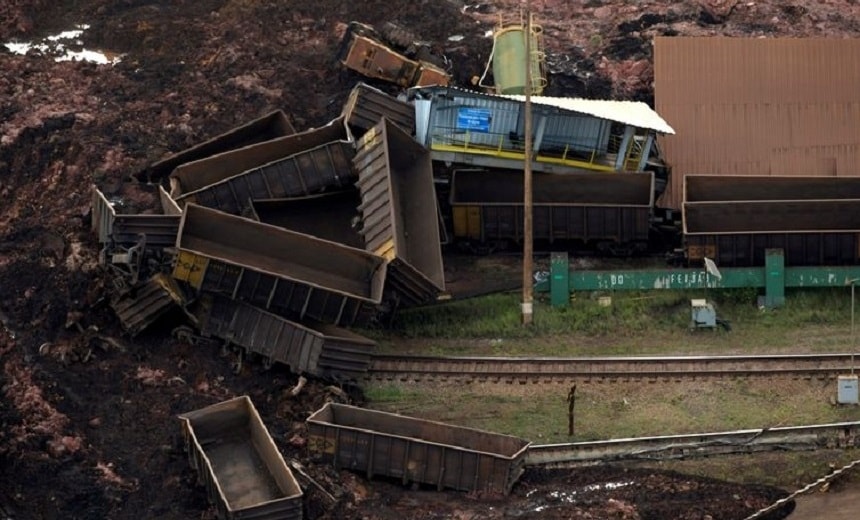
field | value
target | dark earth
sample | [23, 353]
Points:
[88, 424]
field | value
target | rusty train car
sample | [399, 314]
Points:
[290, 274]
[399, 214]
[313, 348]
[296, 165]
[270, 126]
[734, 219]
[235, 458]
[607, 212]
[416, 450]
[366, 51]
[366, 105]
[118, 229]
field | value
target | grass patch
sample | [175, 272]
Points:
[646, 323]
[617, 410]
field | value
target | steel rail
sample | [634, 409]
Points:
[843, 435]
[544, 369]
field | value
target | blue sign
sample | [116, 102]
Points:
[474, 119]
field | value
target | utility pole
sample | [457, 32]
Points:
[528, 290]
[853, 282]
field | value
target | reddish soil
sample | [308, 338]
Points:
[88, 416]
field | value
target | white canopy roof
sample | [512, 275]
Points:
[633, 113]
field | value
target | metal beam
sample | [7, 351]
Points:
[774, 277]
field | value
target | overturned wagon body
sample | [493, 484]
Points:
[367, 105]
[416, 450]
[291, 274]
[733, 220]
[300, 164]
[235, 458]
[141, 305]
[399, 213]
[331, 216]
[362, 51]
[318, 349]
[608, 211]
[117, 229]
[270, 126]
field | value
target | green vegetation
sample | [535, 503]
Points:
[619, 409]
[651, 323]
[647, 323]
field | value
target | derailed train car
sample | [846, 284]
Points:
[290, 274]
[331, 216]
[364, 50]
[118, 229]
[270, 126]
[607, 212]
[399, 215]
[733, 220]
[366, 105]
[313, 348]
[416, 450]
[235, 458]
[300, 164]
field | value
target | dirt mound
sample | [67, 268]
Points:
[89, 428]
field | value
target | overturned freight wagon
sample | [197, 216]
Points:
[366, 105]
[331, 216]
[609, 213]
[236, 459]
[291, 274]
[142, 304]
[270, 126]
[318, 349]
[116, 228]
[400, 219]
[733, 220]
[300, 164]
[364, 50]
[416, 450]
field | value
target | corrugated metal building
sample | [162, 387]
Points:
[751, 106]
[570, 134]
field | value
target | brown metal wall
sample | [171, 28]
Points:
[752, 106]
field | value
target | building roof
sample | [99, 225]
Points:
[758, 106]
[633, 113]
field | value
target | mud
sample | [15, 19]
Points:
[88, 416]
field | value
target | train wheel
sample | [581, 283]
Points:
[183, 333]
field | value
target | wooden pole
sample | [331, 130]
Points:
[528, 245]
[571, 402]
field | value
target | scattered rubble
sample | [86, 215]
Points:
[94, 434]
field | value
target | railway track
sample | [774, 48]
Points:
[525, 370]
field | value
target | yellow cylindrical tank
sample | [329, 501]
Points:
[509, 60]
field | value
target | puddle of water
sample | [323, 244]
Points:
[56, 46]
[554, 499]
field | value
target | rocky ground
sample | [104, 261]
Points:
[88, 416]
